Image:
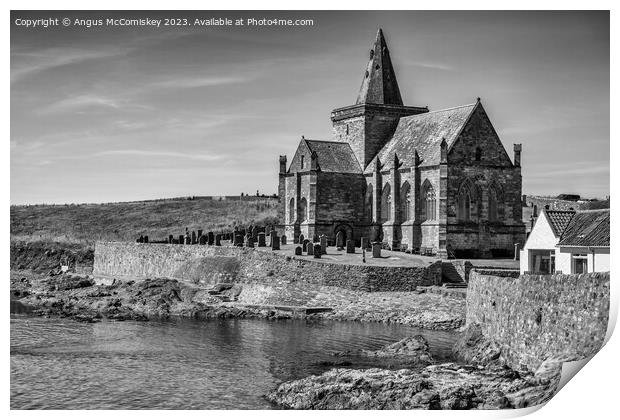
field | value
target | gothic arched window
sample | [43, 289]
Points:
[405, 198]
[291, 211]
[428, 207]
[492, 202]
[303, 209]
[386, 201]
[464, 206]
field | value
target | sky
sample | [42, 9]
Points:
[112, 113]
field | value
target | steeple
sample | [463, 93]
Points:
[379, 85]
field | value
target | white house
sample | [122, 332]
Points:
[568, 242]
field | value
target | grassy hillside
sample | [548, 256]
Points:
[87, 223]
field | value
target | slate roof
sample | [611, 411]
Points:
[423, 132]
[587, 228]
[559, 220]
[334, 156]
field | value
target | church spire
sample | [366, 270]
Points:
[379, 85]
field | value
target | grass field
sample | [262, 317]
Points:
[87, 223]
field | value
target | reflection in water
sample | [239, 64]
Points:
[182, 364]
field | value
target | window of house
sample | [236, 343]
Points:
[580, 263]
[302, 161]
[542, 261]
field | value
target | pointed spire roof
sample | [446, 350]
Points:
[379, 85]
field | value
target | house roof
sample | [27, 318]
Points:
[587, 228]
[334, 156]
[559, 220]
[424, 133]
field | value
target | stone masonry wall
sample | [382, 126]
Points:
[537, 318]
[210, 264]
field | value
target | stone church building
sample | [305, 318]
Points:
[405, 176]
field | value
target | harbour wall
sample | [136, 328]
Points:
[209, 265]
[537, 318]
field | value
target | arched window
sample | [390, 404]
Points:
[464, 206]
[428, 206]
[291, 211]
[405, 199]
[386, 201]
[369, 203]
[303, 209]
[492, 205]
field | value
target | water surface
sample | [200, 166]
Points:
[179, 364]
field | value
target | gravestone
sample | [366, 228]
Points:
[255, 232]
[350, 246]
[170, 239]
[365, 243]
[297, 250]
[275, 243]
[301, 239]
[218, 239]
[210, 238]
[261, 239]
[188, 239]
[339, 240]
[318, 250]
[146, 239]
[323, 243]
[238, 240]
[181, 239]
[249, 241]
[283, 240]
[194, 240]
[202, 240]
[272, 235]
[309, 248]
[305, 244]
[199, 234]
[376, 250]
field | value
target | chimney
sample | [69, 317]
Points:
[282, 164]
[517, 155]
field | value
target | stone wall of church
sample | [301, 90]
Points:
[340, 197]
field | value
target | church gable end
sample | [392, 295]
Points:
[301, 159]
[478, 143]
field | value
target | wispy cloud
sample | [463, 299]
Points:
[199, 82]
[429, 65]
[161, 153]
[82, 103]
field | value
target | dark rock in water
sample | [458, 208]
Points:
[472, 346]
[409, 351]
[445, 386]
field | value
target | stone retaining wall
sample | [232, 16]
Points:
[211, 264]
[535, 318]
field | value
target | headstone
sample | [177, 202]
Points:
[339, 240]
[309, 248]
[218, 239]
[261, 239]
[272, 235]
[283, 240]
[170, 239]
[255, 233]
[140, 239]
[297, 250]
[210, 238]
[318, 250]
[249, 241]
[199, 234]
[202, 240]
[181, 239]
[238, 240]
[301, 239]
[275, 243]
[146, 239]
[376, 250]
[194, 241]
[304, 245]
[350, 246]
[365, 243]
[188, 239]
[323, 242]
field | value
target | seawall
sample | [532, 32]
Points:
[537, 318]
[213, 264]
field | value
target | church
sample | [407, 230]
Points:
[405, 176]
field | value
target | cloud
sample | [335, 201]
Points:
[199, 82]
[80, 103]
[429, 65]
[160, 153]
[25, 64]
